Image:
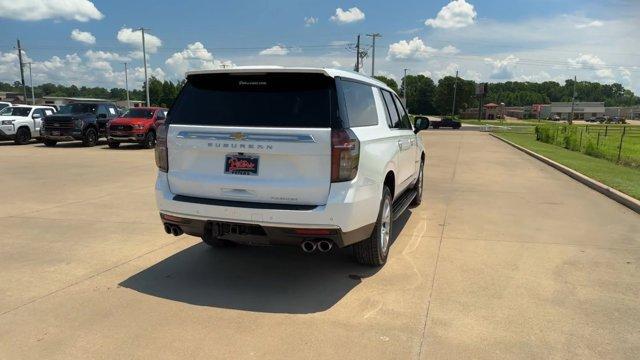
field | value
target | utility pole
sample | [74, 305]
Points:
[144, 59]
[33, 97]
[373, 53]
[573, 100]
[404, 88]
[455, 89]
[24, 88]
[126, 85]
[357, 67]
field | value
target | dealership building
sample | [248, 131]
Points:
[581, 110]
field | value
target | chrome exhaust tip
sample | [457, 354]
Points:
[308, 246]
[167, 228]
[176, 231]
[325, 246]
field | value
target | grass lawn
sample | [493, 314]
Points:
[619, 177]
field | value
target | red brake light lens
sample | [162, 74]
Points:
[162, 154]
[345, 155]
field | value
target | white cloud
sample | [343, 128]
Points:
[34, 10]
[590, 61]
[83, 37]
[194, 57]
[502, 68]
[105, 56]
[309, 21]
[450, 50]
[408, 31]
[416, 49]
[347, 16]
[275, 50]
[335, 63]
[412, 49]
[134, 38]
[472, 75]
[454, 15]
[340, 42]
[594, 23]
[449, 70]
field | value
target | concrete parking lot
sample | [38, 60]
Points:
[505, 258]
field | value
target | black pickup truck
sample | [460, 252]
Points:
[446, 122]
[84, 121]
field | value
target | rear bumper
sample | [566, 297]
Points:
[351, 210]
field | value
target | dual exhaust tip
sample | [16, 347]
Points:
[310, 246]
[175, 230]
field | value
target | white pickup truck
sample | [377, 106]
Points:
[21, 123]
[308, 157]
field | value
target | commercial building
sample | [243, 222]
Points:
[581, 110]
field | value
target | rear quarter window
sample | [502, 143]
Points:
[359, 103]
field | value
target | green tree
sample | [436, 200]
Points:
[443, 99]
[390, 82]
[419, 91]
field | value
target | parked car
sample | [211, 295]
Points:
[138, 125]
[446, 122]
[21, 123]
[617, 120]
[306, 157]
[554, 117]
[84, 121]
[592, 119]
[4, 104]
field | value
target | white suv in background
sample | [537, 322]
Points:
[21, 123]
[308, 157]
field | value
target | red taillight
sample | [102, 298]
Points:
[162, 156]
[345, 155]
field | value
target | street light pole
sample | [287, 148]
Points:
[573, 100]
[126, 85]
[455, 90]
[373, 53]
[144, 59]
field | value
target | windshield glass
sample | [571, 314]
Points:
[78, 109]
[139, 113]
[15, 111]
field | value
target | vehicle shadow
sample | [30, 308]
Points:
[258, 279]
[126, 147]
[70, 144]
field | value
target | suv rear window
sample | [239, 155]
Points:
[264, 100]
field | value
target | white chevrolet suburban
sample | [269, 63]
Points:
[308, 157]
[21, 123]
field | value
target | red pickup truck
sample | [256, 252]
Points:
[138, 125]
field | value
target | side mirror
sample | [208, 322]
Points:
[102, 116]
[421, 123]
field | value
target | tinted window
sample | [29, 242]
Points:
[405, 123]
[15, 111]
[102, 109]
[38, 111]
[269, 100]
[139, 113]
[360, 104]
[78, 108]
[394, 118]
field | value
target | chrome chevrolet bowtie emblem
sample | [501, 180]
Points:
[238, 136]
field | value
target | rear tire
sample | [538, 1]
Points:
[50, 143]
[374, 250]
[90, 138]
[113, 144]
[23, 135]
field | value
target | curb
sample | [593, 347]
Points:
[605, 190]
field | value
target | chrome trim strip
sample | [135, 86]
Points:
[232, 136]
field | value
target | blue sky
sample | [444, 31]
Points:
[85, 42]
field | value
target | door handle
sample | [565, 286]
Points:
[400, 144]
